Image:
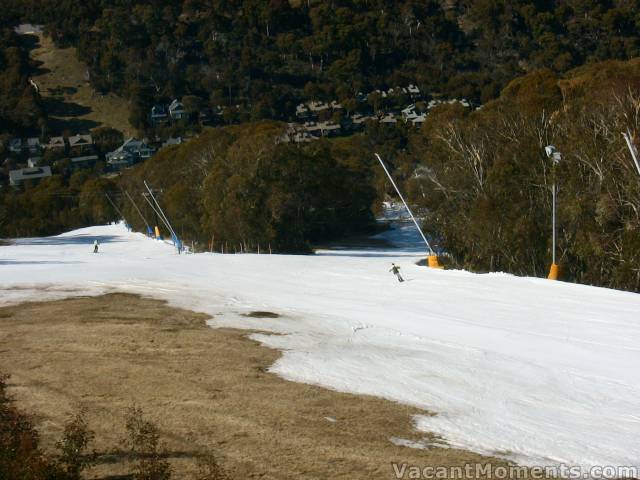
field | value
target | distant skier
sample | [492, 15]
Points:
[95, 246]
[396, 271]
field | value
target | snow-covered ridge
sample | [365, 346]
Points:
[536, 371]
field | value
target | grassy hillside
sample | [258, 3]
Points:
[70, 101]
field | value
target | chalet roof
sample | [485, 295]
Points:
[159, 111]
[136, 147]
[33, 162]
[22, 174]
[119, 156]
[131, 144]
[389, 118]
[86, 158]
[130, 147]
[172, 141]
[410, 109]
[358, 119]
[329, 126]
[80, 140]
[302, 137]
[318, 106]
[55, 142]
[176, 105]
[296, 135]
[312, 127]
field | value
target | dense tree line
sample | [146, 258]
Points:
[239, 187]
[20, 107]
[59, 203]
[485, 180]
[70, 198]
[267, 55]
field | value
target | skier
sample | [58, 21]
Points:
[396, 271]
[95, 246]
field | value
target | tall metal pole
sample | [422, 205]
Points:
[160, 210]
[553, 225]
[632, 149]
[556, 157]
[137, 209]
[117, 209]
[155, 210]
[429, 249]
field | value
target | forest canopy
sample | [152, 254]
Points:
[240, 186]
[265, 56]
[486, 181]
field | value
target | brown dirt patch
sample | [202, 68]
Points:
[207, 389]
[260, 314]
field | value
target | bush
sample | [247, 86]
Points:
[210, 469]
[20, 456]
[143, 444]
[74, 444]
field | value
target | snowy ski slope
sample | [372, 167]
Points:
[528, 369]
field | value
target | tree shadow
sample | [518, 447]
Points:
[60, 91]
[57, 126]
[70, 240]
[36, 68]
[29, 41]
[365, 254]
[119, 456]
[36, 262]
[60, 108]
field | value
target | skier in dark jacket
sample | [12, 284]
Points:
[396, 271]
[95, 246]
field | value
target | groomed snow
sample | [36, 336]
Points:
[536, 371]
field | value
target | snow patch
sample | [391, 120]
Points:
[541, 372]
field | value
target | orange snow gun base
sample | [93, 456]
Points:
[432, 261]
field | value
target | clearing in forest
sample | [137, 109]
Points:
[71, 103]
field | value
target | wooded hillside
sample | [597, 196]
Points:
[239, 185]
[486, 181]
[266, 56]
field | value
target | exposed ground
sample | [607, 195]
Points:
[70, 101]
[207, 389]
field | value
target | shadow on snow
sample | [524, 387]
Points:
[70, 240]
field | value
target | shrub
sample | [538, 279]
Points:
[77, 436]
[143, 443]
[20, 456]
